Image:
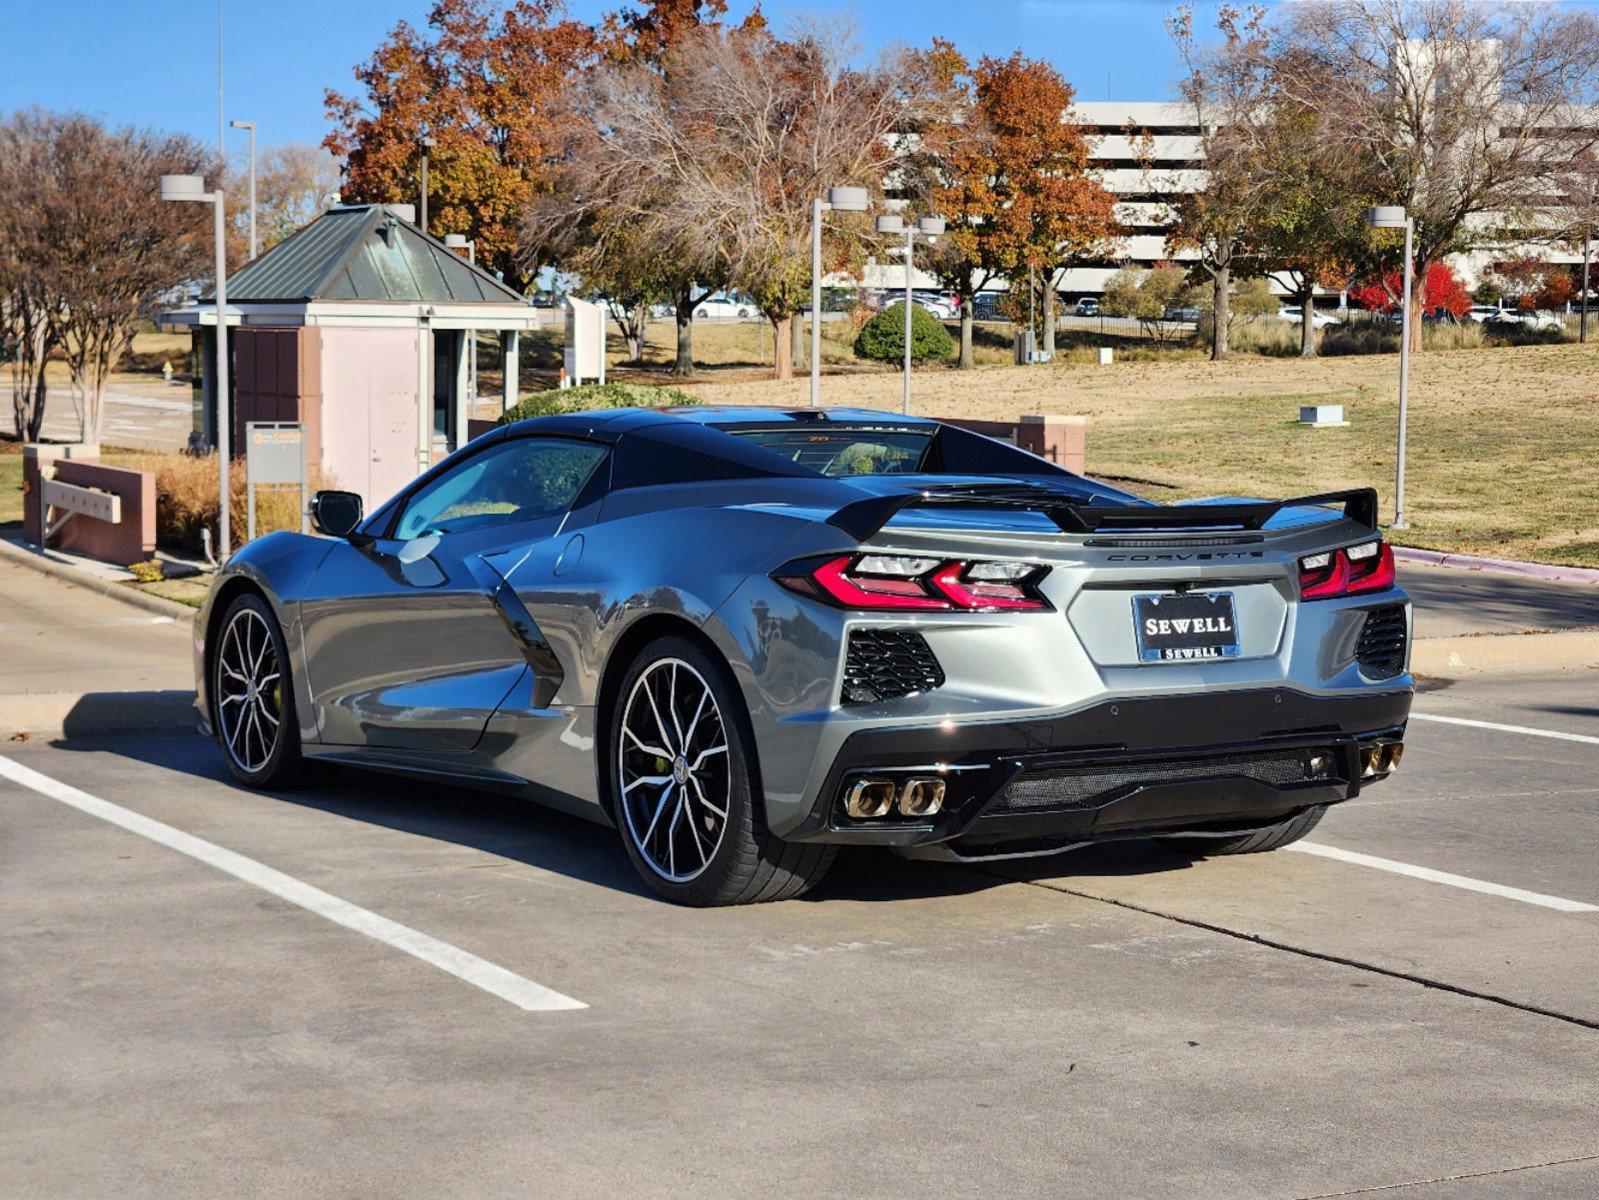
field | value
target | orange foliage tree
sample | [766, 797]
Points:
[490, 84]
[1004, 165]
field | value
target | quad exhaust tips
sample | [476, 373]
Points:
[1380, 759]
[921, 797]
[871, 798]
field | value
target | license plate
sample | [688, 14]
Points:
[1185, 626]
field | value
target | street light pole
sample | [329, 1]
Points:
[931, 227]
[250, 125]
[1395, 217]
[1582, 326]
[427, 144]
[192, 188]
[840, 199]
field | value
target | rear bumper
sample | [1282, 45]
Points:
[1122, 768]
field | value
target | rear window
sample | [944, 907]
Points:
[839, 452]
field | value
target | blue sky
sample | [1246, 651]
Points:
[155, 64]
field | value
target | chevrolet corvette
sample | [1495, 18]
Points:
[745, 637]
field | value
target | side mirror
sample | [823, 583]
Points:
[336, 513]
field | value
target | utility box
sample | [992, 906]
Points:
[1322, 415]
[1106, 356]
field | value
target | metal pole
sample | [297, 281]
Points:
[1582, 327]
[910, 239]
[1405, 319]
[424, 206]
[222, 122]
[252, 192]
[224, 415]
[817, 207]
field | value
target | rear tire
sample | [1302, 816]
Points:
[252, 697]
[682, 780]
[1272, 837]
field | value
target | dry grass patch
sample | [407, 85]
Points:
[1504, 443]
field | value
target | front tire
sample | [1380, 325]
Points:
[1272, 837]
[252, 697]
[683, 781]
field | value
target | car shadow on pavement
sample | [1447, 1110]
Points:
[523, 831]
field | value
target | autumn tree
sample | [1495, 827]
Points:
[1310, 228]
[1002, 162]
[295, 184]
[1226, 89]
[491, 85]
[609, 217]
[27, 299]
[88, 246]
[1468, 114]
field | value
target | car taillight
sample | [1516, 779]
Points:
[891, 582]
[1368, 567]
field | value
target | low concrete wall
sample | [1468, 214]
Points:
[131, 540]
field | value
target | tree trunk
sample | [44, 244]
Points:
[782, 347]
[1418, 301]
[1221, 282]
[966, 333]
[1307, 323]
[1049, 314]
[684, 366]
[797, 341]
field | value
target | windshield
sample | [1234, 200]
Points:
[838, 452]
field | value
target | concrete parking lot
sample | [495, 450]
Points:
[207, 991]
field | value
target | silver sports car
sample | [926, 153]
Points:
[745, 637]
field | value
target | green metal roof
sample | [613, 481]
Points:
[364, 253]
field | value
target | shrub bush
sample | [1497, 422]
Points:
[883, 337]
[595, 395]
[186, 497]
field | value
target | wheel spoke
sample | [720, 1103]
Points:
[704, 754]
[660, 807]
[659, 724]
[653, 780]
[720, 812]
[644, 746]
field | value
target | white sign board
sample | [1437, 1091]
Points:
[82, 501]
[585, 341]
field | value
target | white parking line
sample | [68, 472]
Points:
[496, 980]
[1460, 881]
[1588, 738]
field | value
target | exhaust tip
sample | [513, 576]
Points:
[921, 797]
[869, 798]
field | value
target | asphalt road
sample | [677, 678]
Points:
[1117, 1023]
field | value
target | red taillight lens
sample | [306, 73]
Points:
[886, 583]
[1368, 567]
[984, 593]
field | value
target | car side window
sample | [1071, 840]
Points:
[518, 480]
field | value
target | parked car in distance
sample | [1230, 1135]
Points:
[1539, 319]
[734, 305]
[1186, 313]
[942, 305]
[985, 306]
[1483, 313]
[1086, 307]
[1296, 314]
[544, 300]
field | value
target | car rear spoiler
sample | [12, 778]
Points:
[862, 519]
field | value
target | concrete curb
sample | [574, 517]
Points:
[91, 714]
[11, 552]
[1504, 654]
[1501, 566]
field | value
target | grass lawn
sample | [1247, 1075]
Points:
[1504, 443]
[10, 485]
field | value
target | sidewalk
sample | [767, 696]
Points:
[73, 661]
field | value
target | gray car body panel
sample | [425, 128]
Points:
[411, 658]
